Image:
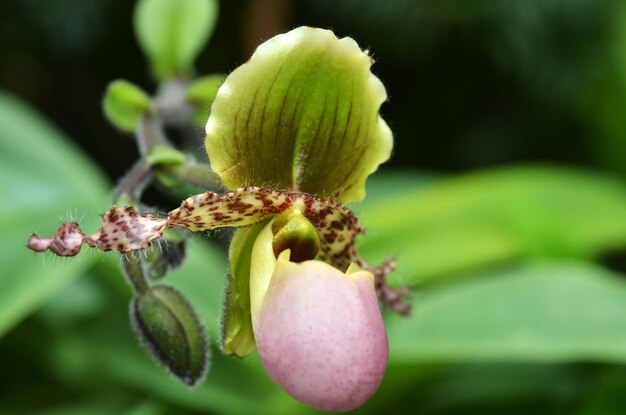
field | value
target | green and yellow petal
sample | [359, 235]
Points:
[302, 114]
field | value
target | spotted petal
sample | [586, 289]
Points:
[125, 229]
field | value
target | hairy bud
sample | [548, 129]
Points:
[168, 326]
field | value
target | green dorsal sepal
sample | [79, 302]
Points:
[301, 115]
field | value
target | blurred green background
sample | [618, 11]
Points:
[504, 205]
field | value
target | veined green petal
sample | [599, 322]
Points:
[237, 336]
[261, 269]
[302, 115]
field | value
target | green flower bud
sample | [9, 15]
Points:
[169, 255]
[165, 155]
[124, 104]
[201, 93]
[173, 32]
[168, 326]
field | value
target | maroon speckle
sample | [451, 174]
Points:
[330, 237]
[336, 225]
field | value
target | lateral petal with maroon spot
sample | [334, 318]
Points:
[124, 229]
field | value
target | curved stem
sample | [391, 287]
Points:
[133, 269]
[149, 134]
[134, 182]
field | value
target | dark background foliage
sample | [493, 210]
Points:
[470, 85]
[518, 275]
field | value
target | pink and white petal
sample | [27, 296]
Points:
[320, 335]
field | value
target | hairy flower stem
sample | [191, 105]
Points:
[172, 104]
[149, 134]
[134, 182]
[134, 271]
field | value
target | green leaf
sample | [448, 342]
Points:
[173, 32]
[188, 178]
[201, 93]
[478, 220]
[388, 183]
[607, 396]
[552, 312]
[301, 114]
[162, 154]
[124, 104]
[42, 177]
[480, 388]
[146, 408]
[234, 386]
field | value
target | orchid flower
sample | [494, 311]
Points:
[294, 134]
